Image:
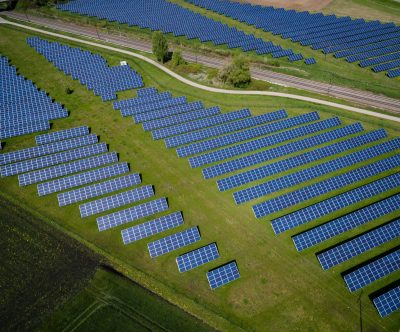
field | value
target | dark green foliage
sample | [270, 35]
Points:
[24, 4]
[160, 46]
[236, 73]
[69, 91]
[177, 59]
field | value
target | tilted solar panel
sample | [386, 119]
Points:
[197, 257]
[388, 302]
[223, 275]
[62, 135]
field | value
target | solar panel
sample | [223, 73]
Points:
[279, 151]
[263, 142]
[314, 172]
[202, 123]
[148, 99]
[223, 275]
[359, 245]
[28, 128]
[98, 189]
[197, 257]
[335, 203]
[216, 142]
[373, 271]
[388, 302]
[53, 159]
[173, 242]
[167, 111]
[114, 201]
[293, 198]
[299, 160]
[66, 169]
[198, 113]
[139, 211]
[146, 91]
[153, 106]
[62, 135]
[152, 227]
[348, 222]
[80, 179]
[42, 150]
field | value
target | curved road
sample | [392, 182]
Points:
[353, 95]
[203, 87]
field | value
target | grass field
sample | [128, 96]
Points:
[113, 303]
[278, 288]
[327, 69]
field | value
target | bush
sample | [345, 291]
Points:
[160, 46]
[236, 73]
[177, 59]
[69, 91]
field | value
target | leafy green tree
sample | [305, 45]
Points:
[160, 46]
[236, 73]
[177, 59]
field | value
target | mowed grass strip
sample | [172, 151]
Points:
[278, 287]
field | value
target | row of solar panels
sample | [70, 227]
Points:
[156, 14]
[24, 109]
[80, 170]
[221, 140]
[373, 42]
[90, 69]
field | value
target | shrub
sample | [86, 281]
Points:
[177, 59]
[236, 73]
[160, 46]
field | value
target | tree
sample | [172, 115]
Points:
[160, 46]
[236, 73]
[177, 59]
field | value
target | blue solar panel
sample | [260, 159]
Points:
[359, 245]
[98, 189]
[388, 302]
[373, 271]
[167, 112]
[173, 242]
[223, 275]
[42, 150]
[302, 159]
[293, 198]
[114, 201]
[214, 143]
[335, 203]
[152, 227]
[266, 155]
[62, 135]
[133, 110]
[200, 124]
[82, 179]
[148, 99]
[146, 91]
[159, 124]
[348, 222]
[197, 257]
[213, 131]
[262, 142]
[25, 129]
[66, 169]
[53, 159]
[139, 211]
[317, 171]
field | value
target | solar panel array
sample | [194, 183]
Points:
[131, 214]
[173, 242]
[152, 227]
[62, 135]
[223, 275]
[155, 15]
[314, 172]
[348, 222]
[342, 36]
[98, 189]
[373, 271]
[388, 302]
[197, 257]
[24, 109]
[359, 245]
[136, 111]
[335, 203]
[117, 200]
[90, 69]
